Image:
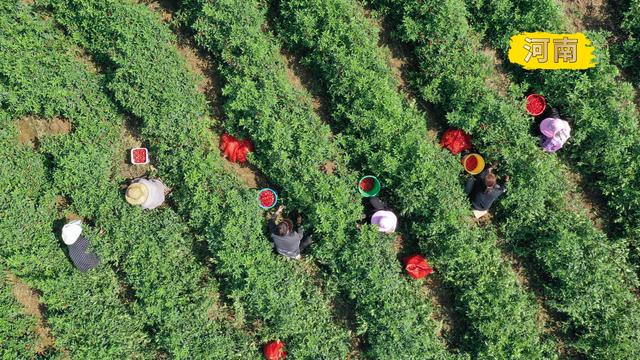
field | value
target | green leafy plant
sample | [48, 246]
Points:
[584, 274]
[17, 329]
[151, 81]
[387, 137]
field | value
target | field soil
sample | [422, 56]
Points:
[31, 129]
[30, 302]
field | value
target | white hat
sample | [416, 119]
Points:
[385, 220]
[71, 232]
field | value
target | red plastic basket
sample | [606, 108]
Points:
[536, 104]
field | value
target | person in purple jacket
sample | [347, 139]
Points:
[554, 133]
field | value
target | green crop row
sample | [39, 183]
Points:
[582, 273]
[151, 80]
[386, 137]
[605, 140]
[292, 146]
[628, 55]
[17, 329]
[151, 249]
[84, 311]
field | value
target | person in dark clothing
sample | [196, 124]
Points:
[287, 241]
[77, 244]
[484, 192]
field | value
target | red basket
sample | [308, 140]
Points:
[139, 156]
[536, 104]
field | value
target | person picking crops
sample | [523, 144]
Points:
[485, 192]
[288, 242]
[554, 132]
[381, 215]
[149, 194]
[77, 245]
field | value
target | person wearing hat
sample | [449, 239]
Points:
[149, 194]
[383, 218]
[286, 241]
[77, 245]
[554, 132]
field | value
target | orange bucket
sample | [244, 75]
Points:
[473, 164]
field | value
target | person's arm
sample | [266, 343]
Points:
[485, 172]
[272, 226]
[377, 203]
[504, 184]
[468, 186]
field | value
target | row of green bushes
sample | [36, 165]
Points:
[84, 311]
[601, 109]
[152, 250]
[582, 273]
[387, 137]
[149, 79]
[628, 53]
[174, 294]
[292, 145]
[17, 329]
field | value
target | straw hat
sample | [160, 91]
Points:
[385, 220]
[137, 194]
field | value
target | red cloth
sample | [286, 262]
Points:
[233, 149]
[416, 266]
[456, 141]
[274, 350]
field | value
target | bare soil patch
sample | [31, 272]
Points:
[584, 198]
[588, 15]
[499, 82]
[444, 304]
[165, 8]
[329, 167]
[71, 216]
[31, 129]
[81, 55]
[130, 138]
[30, 301]
[304, 81]
[547, 320]
[203, 67]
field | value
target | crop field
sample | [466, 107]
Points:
[324, 92]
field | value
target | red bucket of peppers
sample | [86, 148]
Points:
[536, 104]
[139, 156]
[267, 198]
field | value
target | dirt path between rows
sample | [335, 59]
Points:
[302, 79]
[30, 302]
[209, 84]
[588, 15]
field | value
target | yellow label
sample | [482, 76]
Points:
[540, 50]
